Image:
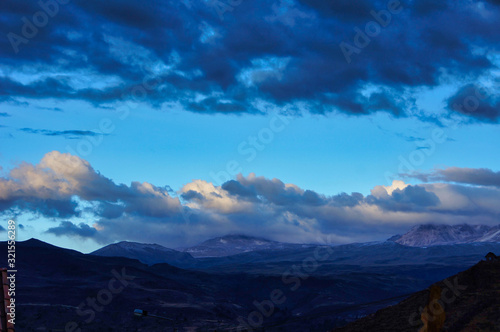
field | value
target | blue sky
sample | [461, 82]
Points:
[174, 96]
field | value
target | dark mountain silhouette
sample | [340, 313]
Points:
[55, 284]
[146, 253]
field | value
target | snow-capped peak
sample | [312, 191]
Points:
[431, 235]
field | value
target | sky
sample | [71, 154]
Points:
[172, 122]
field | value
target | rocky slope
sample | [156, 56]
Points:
[469, 301]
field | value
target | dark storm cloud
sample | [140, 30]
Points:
[67, 228]
[426, 7]
[281, 52]
[342, 9]
[477, 103]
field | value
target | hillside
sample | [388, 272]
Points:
[147, 253]
[470, 300]
[317, 299]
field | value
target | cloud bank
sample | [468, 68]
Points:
[86, 204]
[472, 176]
[234, 57]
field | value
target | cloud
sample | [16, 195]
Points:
[67, 228]
[52, 188]
[383, 191]
[409, 198]
[477, 103]
[3, 114]
[208, 62]
[54, 109]
[471, 176]
[70, 134]
[67, 189]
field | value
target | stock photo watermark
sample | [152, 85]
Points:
[106, 126]
[471, 102]
[250, 148]
[372, 29]
[221, 7]
[417, 157]
[293, 278]
[434, 310]
[8, 277]
[31, 26]
[88, 308]
[408, 164]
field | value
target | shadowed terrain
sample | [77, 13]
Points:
[54, 286]
[469, 301]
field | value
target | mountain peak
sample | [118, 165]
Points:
[242, 237]
[137, 245]
[435, 234]
[233, 244]
[148, 253]
[36, 243]
[237, 238]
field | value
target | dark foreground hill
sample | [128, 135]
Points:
[468, 301]
[64, 290]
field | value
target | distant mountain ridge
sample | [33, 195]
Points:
[433, 235]
[146, 253]
[236, 244]
[243, 248]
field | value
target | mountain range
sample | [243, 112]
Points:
[320, 292]
[323, 287]
[432, 235]
[227, 250]
[235, 244]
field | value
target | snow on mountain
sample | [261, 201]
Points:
[235, 244]
[146, 253]
[432, 235]
[418, 236]
[493, 235]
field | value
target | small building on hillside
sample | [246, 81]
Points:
[491, 257]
